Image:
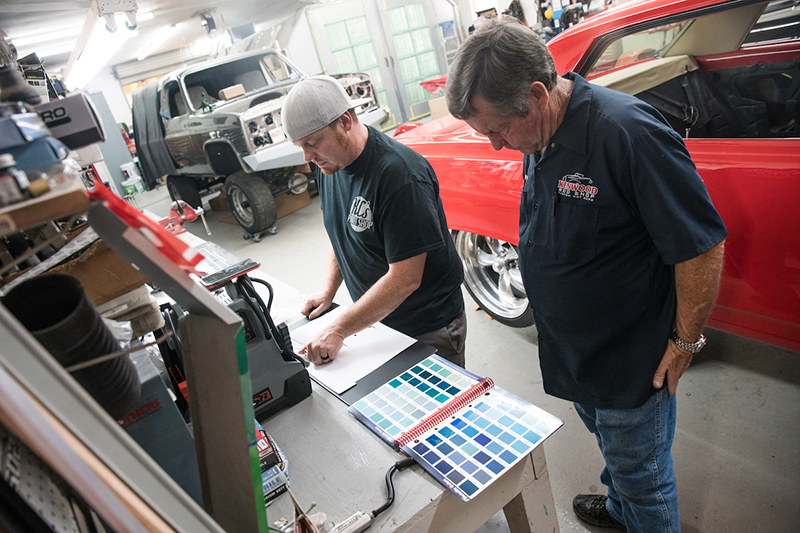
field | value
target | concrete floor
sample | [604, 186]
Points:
[737, 444]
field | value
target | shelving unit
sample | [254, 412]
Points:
[104, 464]
[62, 200]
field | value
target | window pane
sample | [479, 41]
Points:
[397, 19]
[409, 68]
[377, 80]
[427, 64]
[358, 30]
[404, 45]
[337, 36]
[365, 56]
[422, 40]
[415, 93]
[345, 61]
[416, 16]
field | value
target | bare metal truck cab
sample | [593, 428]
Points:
[219, 122]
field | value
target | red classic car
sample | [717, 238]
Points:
[726, 75]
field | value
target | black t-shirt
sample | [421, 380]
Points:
[613, 203]
[384, 208]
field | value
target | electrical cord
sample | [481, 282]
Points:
[269, 288]
[246, 288]
[244, 293]
[399, 465]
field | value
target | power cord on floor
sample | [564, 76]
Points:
[361, 520]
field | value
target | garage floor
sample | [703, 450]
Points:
[737, 444]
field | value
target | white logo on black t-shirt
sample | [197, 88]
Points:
[360, 216]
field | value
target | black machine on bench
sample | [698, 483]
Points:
[278, 377]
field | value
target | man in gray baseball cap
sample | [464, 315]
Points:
[384, 217]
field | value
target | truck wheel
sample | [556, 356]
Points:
[251, 201]
[183, 188]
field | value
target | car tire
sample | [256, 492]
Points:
[251, 202]
[184, 188]
[493, 279]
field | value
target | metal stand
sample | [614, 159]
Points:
[257, 236]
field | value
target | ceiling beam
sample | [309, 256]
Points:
[46, 6]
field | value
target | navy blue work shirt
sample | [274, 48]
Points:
[608, 209]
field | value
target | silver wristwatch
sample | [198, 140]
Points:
[692, 347]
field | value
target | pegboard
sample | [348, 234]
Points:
[47, 494]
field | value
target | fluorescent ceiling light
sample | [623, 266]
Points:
[140, 17]
[47, 52]
[100, 48]
[45, 36]
[163, 36]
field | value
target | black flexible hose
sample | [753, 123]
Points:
[399, 465]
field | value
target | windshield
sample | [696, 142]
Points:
[253, 73]
[638, 47]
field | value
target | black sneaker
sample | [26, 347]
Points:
[591, 508]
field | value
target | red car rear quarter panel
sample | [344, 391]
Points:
[480, 187]
[755, 186]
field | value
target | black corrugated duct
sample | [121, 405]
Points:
[60, 315]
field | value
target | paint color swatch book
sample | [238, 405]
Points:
[461, 428]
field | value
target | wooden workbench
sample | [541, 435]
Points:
[340, 465]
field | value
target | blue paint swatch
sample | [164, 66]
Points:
[474, 447]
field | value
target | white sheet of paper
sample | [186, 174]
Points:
[361, 353]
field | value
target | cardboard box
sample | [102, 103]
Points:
[219, 203]
[438, 107]
[103, 273]
[231, 92]
[289, 203]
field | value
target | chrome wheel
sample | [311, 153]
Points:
[251, 202]
[493, 279]
[241, 206]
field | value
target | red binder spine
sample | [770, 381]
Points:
[445, 411]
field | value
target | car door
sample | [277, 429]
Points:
[736, 107]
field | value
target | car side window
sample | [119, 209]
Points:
[704, 81]
[172, 104]
[278, 69]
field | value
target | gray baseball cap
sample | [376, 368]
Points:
[314, 103]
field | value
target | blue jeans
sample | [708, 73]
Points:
[636, 446]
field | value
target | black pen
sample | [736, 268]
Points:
[555, 202]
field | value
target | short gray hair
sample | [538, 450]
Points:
[498, 63]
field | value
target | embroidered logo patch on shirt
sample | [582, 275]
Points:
[360, 216]
[577, 186]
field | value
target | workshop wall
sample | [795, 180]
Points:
[107, 83]
[301, 49]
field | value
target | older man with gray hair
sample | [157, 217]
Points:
[381, 208]
[620, 250]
